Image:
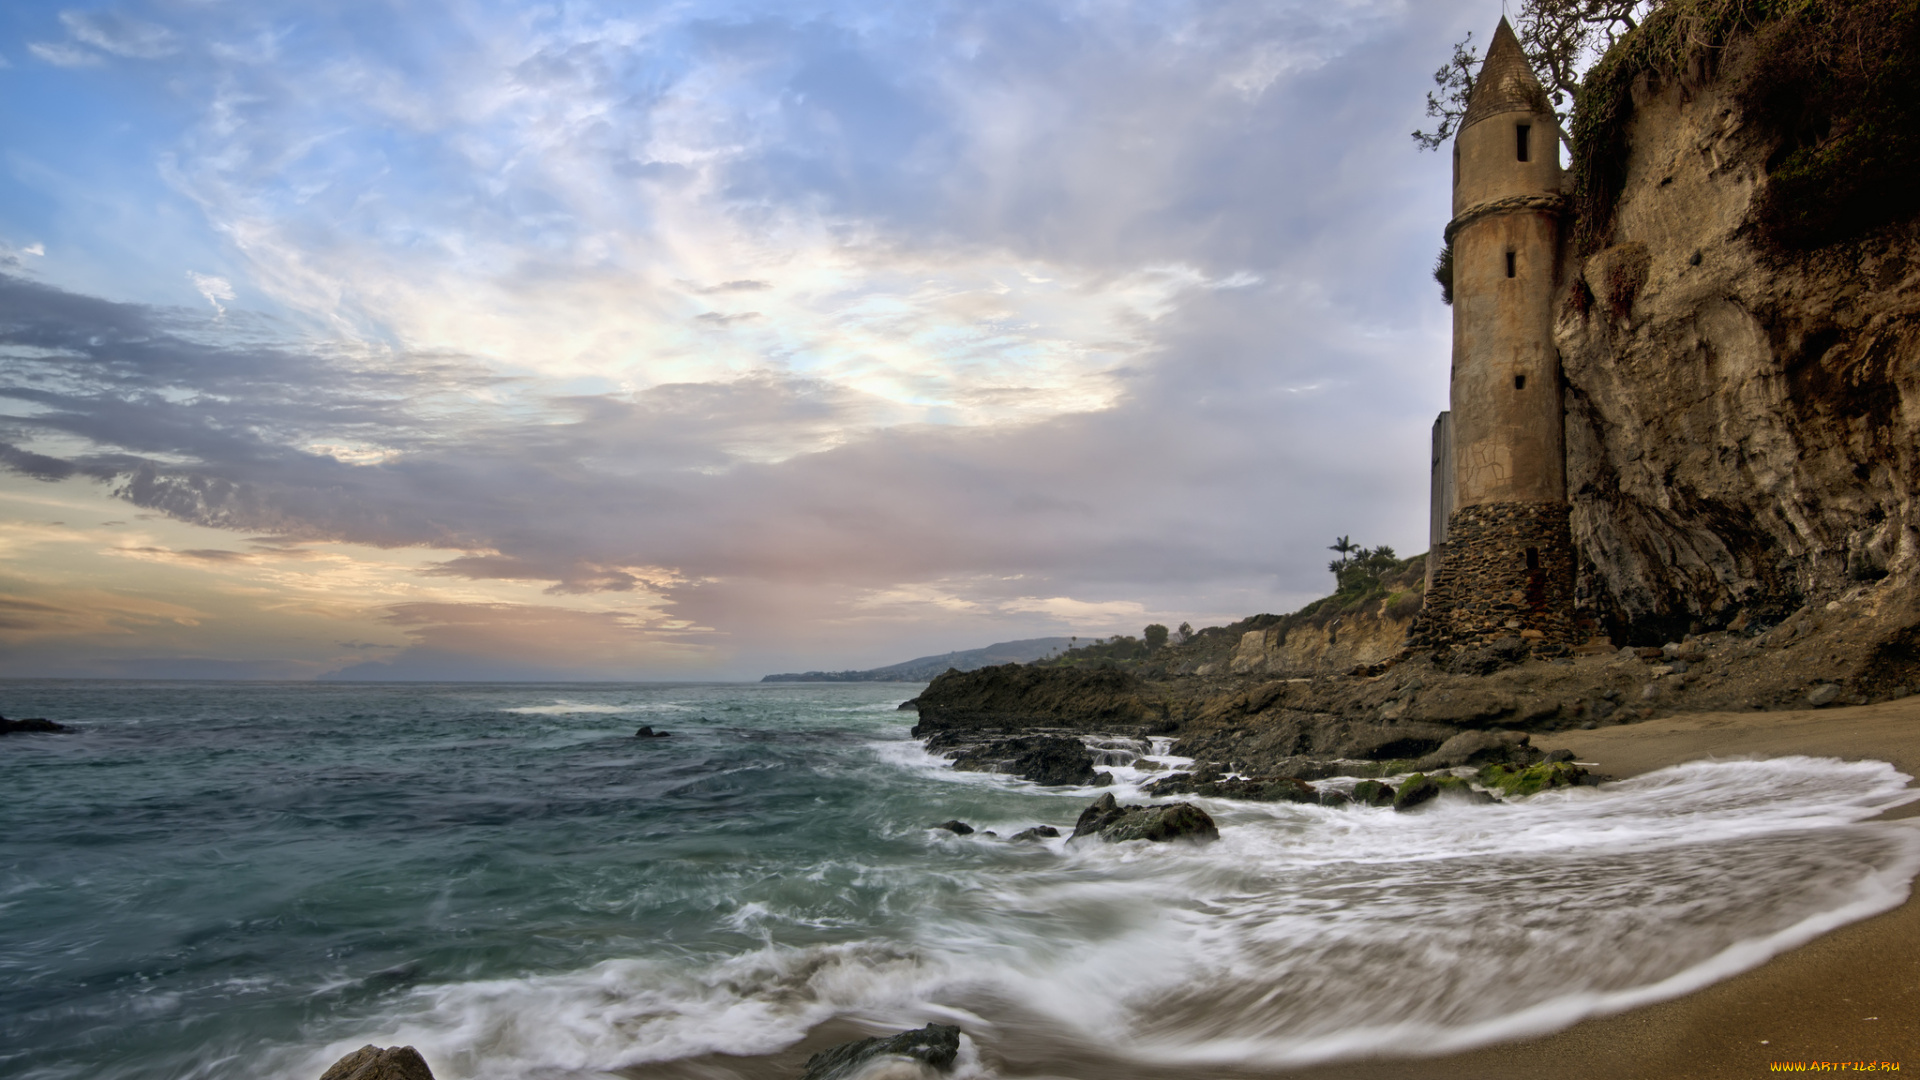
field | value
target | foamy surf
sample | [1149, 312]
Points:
[1305, 934]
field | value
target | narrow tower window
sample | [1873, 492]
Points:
[1519, 382]
[1533, 558]
[1509, 264]
[1520, 133]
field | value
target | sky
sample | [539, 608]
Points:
[700, 339]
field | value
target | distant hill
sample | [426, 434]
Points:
[926, 667]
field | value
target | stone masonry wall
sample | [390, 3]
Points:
[1509, 572]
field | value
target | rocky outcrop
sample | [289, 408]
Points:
[1743, 423]
[1011, 697]
[929, 1048]
[1114, 823]
[377, 1063]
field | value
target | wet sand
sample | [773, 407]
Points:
[1851, 995]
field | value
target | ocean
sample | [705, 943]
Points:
[230, 880]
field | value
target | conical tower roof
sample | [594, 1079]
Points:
[1506, 82]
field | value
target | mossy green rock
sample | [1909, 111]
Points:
[1455, 785]
[1517, 783]
[1373, 793]
[1417, 789]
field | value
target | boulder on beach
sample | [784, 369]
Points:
[1481, 748]
[375, 1063]
[934, 1046]
[1111, 822]
[34, 726]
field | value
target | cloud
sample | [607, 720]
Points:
[119, 35]
[61, 54]
[215, 289]
[504, 642]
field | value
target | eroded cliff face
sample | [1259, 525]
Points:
[1352, 640]
[1743, 425]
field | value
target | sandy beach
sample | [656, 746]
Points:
[1849, 996]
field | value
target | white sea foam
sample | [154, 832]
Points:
[567, 708]
[1304, 934]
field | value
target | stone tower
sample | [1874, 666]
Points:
[1505, 552]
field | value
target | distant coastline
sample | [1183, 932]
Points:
[924, 668]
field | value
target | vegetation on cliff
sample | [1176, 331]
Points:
[1836, 85]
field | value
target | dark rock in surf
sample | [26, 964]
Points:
[1038, 832]
[374, 1063]
[649, 733]
[1053, 760]
[935, 1045]
[1288, 789]
[1114, 823]
[956, 827]
[1255, 788]
[1373, 793]
[1417, 789]
[1335, 798]
[34, 726]
[1104, 811]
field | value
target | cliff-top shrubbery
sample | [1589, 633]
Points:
[1835, 83]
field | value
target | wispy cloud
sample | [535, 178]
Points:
[215, 289]
[62, 54]
[119, 34]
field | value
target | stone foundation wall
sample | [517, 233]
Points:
[1509, 572]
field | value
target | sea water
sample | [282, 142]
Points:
[249, 880]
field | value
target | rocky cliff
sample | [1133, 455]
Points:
[1741, 416]
[1341, 643]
